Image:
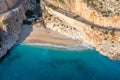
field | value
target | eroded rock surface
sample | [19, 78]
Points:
[105, 41]
[11, 21]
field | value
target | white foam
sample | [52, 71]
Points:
[82, 46]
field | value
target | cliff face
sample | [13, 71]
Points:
[11, 21]
[106, 41]
[7, 4]
[101, 12]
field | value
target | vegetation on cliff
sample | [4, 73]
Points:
[105, 7]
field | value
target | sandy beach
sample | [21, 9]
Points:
[38, 34]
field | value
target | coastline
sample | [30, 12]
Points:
[38, 34]
[79, 47]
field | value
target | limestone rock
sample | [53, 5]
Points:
[11, 21]
[7, 4]
[105, 41]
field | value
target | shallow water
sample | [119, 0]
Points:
[26, 62]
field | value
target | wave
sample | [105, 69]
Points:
[82, 46]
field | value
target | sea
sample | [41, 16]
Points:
[46, 62]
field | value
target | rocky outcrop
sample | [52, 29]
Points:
[11, 21]
[104, 40]
[7, 4]
[107, 15]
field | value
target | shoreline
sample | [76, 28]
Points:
[39, 34]
[82, 46]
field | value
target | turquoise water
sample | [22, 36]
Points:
[43, 63]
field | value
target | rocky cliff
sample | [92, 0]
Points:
[94, 22]
[7, 4]
[102, 12]
[11, 18]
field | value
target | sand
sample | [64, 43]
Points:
[38, 34]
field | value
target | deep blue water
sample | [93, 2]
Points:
[25, 62]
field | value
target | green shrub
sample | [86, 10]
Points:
[4, 22]
[112, 32]
[106, 32]
[105, 38]
[92, 26]
[76, 16]
[62, 1]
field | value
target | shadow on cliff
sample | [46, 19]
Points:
[25, 32]
[2, 37]
[27, 29]
[39, 9]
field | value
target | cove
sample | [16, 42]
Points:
[27, 62]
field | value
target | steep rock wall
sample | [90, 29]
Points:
[7, 4]
[107, 42]
[96, 14]
[10, 25]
